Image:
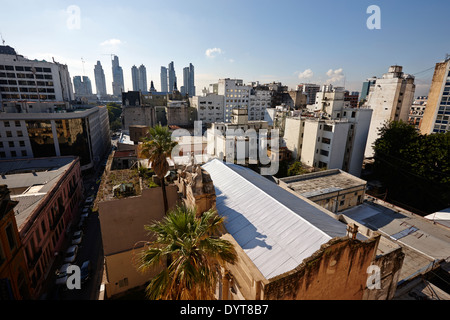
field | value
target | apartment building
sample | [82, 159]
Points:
[390, 98]
[48, 192]
[328, 143]
[210, 107]
[32, 80]
[436, 116]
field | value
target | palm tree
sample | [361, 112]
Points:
[157, 147]
[194, 250]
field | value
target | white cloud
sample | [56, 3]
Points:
[335, 75]
[212, 52]
[111, 42]
[231, 60]
[306, 74]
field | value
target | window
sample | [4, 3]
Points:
[11, 237]
[8, 134]
[17, 123]
[6, 123]
[22, 143]
[13, 154]
[19, 133]
[11, 144]
[326, 140]
[324, 153]
[24, 153]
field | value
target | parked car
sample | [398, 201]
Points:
[89, 200]
[85, 212]
[71, 254]
[85, 271]
[81, 223]
[61, 274]
[77, 237]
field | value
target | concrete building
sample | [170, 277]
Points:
[100, 81]
[122, 219]
[390, 98]
[352, 98]
[289, 248]
[417, 110]
[424, 243]
[179, 113]
[332, 144]
[32, 80]
[48, 192]
[15, 283]
[36, 130]
[259, 101]
[334, 190]
[437, 113]
[220, 136]
[310, 90]
[236, 95]
[209, 107]
[118, 84]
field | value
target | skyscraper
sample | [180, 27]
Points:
[188, 81]
[142, 72]
[135, 78]
[164, 86]
[117, 72]
[172, 77]
[82, 85]
[437, 113]
[100, 81]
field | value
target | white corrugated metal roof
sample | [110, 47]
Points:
[275, 228]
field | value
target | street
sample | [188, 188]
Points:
[90, 249]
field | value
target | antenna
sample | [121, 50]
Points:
[3, 40]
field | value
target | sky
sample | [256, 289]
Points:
[288, 41]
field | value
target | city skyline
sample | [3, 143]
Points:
[291, 42]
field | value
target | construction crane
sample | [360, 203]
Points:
[82, 61]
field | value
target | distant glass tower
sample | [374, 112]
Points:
[118, 83]
[164, 85]
[172, 77]
[100, 81]
[135, 78]
[188, 81]
[82, 85]
[142, 72]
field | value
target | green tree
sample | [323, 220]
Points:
[414, 168]
[194, 250]
[157, 147]
[296, 168]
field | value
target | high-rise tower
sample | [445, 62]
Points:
[100, 82]
[117, 72]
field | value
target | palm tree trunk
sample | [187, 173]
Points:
[163, 185]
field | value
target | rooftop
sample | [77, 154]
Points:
[29, 181]
[275, 228]
[322, 182]
[423, 242]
